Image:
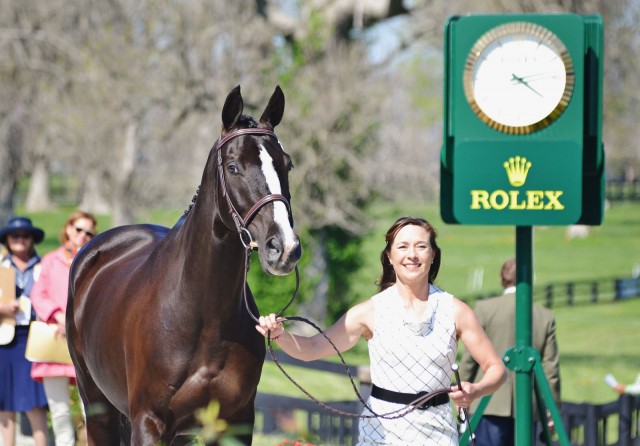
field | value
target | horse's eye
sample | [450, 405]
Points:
[233, 168]
[290, 166]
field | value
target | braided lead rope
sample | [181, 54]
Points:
[399, 413]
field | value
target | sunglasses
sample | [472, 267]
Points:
[88, 233]
[17, 235]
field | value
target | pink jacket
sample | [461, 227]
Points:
[48, 295]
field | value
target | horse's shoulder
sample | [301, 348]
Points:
[122, 241]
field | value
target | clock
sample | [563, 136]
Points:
[518, 78]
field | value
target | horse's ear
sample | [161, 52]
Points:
[275, 109]
[232, 109]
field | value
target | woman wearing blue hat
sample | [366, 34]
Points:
[18, 391]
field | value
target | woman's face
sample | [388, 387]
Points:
[411, 254]
[80, 232]
[20, 243]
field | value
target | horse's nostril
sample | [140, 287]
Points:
[274, 248]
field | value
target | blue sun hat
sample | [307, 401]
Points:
[21, 224]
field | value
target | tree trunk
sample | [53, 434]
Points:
[9, 172]
[316, 308]
[93, 199]
[122, 212]
[39, 197]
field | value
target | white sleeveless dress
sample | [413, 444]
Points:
[410, 357]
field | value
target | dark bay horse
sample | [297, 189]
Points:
[157, 321]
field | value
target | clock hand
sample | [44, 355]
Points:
[538, 76]
[525, 83]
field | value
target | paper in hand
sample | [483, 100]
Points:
[609, 379]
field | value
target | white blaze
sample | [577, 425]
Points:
[281, 214]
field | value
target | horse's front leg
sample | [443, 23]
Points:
[146, 429]
[244, 420]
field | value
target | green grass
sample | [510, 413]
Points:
[595, 340]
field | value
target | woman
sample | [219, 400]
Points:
[412, 328]
[49, 297]
[18, 391]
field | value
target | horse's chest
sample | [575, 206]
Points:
[231, 380]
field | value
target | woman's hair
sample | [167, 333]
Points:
[388, 274]
[76, 215]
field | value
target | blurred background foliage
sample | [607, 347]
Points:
[112, 107]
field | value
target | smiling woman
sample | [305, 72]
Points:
[412, 328]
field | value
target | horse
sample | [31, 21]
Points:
[160, 322]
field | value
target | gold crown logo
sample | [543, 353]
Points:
[517, 170]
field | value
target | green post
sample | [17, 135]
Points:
[524, 272]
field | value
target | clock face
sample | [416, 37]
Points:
[518, 78]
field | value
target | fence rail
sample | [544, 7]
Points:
[611, 424]
[582, 292]
[622, 190]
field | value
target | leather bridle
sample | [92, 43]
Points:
[240, 222]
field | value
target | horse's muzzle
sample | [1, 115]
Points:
[280, 259]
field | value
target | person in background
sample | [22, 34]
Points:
[49, 297]
[631, 389]
[412, 328]
[18, 391]
[497, 316]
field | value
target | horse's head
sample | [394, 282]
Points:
[253, 171]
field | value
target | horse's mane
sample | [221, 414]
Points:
[193, 201]
[243, 121]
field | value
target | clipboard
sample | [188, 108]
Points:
[7, 296]
[45, 345]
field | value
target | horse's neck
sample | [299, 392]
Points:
[214, 258]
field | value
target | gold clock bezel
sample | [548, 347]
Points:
[532, 29]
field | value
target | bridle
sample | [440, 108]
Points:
[240, 222]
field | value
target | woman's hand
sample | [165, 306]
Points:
[270, 323]
[59, 318]
[462, 397]
[9, 309]
[620, 388]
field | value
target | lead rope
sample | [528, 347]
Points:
[398, 413]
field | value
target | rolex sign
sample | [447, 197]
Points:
[522, 140]
[512, 183]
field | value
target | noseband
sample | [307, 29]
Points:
[242, 222]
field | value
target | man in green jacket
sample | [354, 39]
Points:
[498, 317]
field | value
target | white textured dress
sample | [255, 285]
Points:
[411, 356]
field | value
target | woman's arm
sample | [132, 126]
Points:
[345, 333]
[477, 342]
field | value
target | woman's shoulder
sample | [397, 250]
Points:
[441, 295]
[56, 253]
[385, 296]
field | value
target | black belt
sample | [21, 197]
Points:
[407, 398]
